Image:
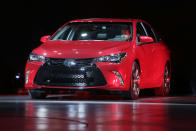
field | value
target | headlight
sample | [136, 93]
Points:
[35, 57]
[116, 58]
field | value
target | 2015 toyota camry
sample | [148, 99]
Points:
[123, 55]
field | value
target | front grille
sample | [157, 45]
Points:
[69, 73]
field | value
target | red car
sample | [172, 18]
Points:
[123, 55]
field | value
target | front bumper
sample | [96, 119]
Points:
[83, 74]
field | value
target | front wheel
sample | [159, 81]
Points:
[134, 90]
[165, 88]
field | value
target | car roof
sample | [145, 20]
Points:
[104, 20]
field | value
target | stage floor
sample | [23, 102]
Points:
[102, 113]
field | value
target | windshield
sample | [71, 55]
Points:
[105, 31]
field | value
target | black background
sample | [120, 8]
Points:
[23, 23]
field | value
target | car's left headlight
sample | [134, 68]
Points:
[35, 57]
[116, 58]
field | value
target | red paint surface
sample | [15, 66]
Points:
[152, 58]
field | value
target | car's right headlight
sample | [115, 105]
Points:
[35, 57]
[115, 58]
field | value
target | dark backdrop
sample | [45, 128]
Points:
[23, 23]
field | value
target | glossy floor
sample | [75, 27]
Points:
[20, 113]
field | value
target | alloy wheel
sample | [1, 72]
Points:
[135, 89]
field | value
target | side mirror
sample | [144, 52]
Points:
[146, 39]
[45, 38]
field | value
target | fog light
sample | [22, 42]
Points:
[119, 77]
[27, 77]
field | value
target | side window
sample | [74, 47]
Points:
[150, 31]
[140, 31]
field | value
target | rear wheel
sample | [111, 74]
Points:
[37, 94]
[134, 90]
[165, 88]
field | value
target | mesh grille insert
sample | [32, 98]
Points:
[69, 73]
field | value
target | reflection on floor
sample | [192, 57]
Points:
[99, 113]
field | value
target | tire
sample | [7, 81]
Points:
[165, 88]
[134, 89]
[37, 94]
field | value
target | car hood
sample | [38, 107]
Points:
[80, 49]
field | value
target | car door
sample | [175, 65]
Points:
[146, 54]
[158, 49]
